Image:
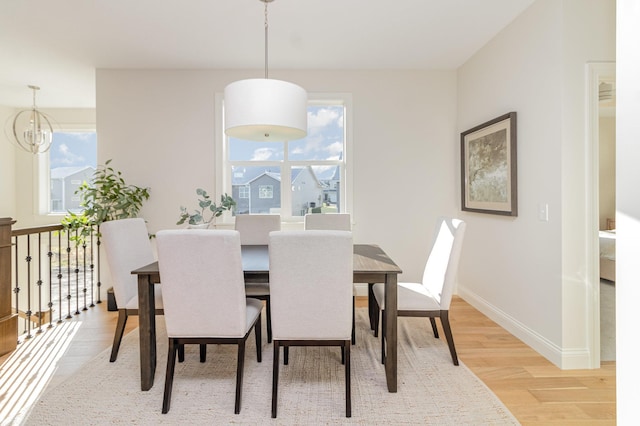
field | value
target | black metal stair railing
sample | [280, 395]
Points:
[55, 276]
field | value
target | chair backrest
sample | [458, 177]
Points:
[442, 265]
[202, 283]
[310, 280]
[328, 221]
[127, 247]
[254, 228]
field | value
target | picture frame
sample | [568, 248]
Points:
[489, 167]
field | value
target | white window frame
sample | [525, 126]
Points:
[223, 170]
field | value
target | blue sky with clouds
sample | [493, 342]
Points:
[324, 141]
[73, 149]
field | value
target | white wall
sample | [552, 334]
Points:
[159, 129]
[528, 274]
[628, 212]
[7, 169]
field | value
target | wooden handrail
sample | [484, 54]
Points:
[36, 230]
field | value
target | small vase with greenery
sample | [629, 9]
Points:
[106, 197]
[208, 210]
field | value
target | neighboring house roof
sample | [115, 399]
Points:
[63, 172]
[249, 174]
[296, 173]
[274, 176]
[253, 173]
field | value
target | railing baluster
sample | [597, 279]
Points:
[59, 276]
[16, 289]
[91, 269]
[84, 276]
[50, 256]
[39, 283]
[69, 276]
[28, 259]
[76, 271]
[98, 242]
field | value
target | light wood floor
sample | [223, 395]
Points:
[533, 389]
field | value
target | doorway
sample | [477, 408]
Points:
[601, 186]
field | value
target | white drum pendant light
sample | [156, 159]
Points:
[261, 109]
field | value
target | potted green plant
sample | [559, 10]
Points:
[106, 197]
[207, 211]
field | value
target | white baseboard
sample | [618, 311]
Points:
[565, 359]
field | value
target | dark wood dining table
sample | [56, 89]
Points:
[370, 265]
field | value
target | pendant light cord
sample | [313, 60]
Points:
[266, 41]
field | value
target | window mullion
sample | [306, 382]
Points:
[285, 186]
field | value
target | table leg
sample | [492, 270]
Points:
[391, 330]
[147, 328]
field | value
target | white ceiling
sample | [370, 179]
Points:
[57, 45]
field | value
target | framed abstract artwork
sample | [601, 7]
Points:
[489, 172]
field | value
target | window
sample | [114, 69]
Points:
[244, 192]
[72, 160]
[291, 177]
[265, 191]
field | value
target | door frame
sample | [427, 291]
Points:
[596, 72]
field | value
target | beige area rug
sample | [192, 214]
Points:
[431, 390]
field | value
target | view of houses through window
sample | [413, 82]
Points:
[72, 160]
[292, 178]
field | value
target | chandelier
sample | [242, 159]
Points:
[261, 109]
[31, 129]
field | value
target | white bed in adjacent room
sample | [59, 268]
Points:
[608, 255]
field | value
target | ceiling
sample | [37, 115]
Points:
[57, 45]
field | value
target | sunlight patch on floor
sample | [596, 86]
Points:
[25, 374]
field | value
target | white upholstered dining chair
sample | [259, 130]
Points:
[127, 247]
[328, 221]
[254, 230]
[431, 297]
[311, 279]
[334, 222]
[204, 297]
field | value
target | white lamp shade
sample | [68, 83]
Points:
[262, 109]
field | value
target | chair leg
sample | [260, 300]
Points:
[203, 352]
[180, 353]
[382, 335]
[434, 327]
[444, 319]
[269, 334]
[117, 338]
[168, 383]
[347, 376]
[286, 355]
[370, 300]
[274, 389]
[239, 373]
[257, 329]
[376, 318]
[353, 322]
